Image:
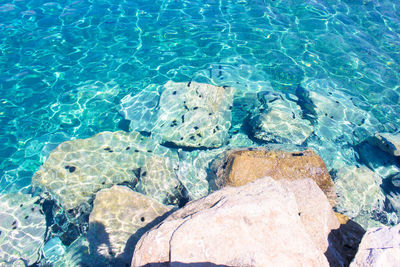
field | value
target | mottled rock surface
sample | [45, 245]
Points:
[238, 167]
[379, 247]
[157, 178]
[278, 219]
[118, 219]
[389, 142]
[280, 121]
[22, 229]
[194, 114]
[359, 193]
[77, 169]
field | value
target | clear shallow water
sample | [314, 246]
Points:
[66, 65]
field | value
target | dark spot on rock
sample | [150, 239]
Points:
[299, 213]
[230, 107]
[185, 107]
[150, 151]
[326, 114]
[297, 154]
[192, 138]
[337, 102]
[144, 174]
[127, 148]
[217, 127]
[224, 86]
[195, 108]
[26, 217]
[189, 83]
[330, 93]
[21, 205]
[293, 115]
[199, 135]
[195, 127]
[72, 169]
[66, 167]
[103, 183]
[70, 211]
[183, 118]
[181, 138]
[363, 120]
[110, 151]
[14, 227]
[136, 150]
[214, 131]
[41, 212]
[32, 209]
[331, 117]
[142, 219]
[14, 223]
[107, 149]
[174, 92]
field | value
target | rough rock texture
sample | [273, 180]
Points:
[280, 121]
[359, 193]
[389, 142]
[279, 220]
[118, 219]
[238, 167]
[194, 114]
[77, 169]
[22, 229]
[379, 247]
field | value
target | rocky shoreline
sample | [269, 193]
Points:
[187, 187]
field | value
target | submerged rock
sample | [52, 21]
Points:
[389, 142]
[238, 167]
[119, 218]
[280, 121]
[379, 247]
[141, 109]
[287, 223]
[194, 114]
[77, 169]
[157, 178]
[22, 229]
[359, 194]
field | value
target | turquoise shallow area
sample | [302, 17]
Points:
[66, 65]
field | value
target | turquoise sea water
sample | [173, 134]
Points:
[66, 65]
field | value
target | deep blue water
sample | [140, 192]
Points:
[65, 65]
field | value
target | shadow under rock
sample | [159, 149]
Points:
[181, 264]
[123, 259]
[343, 243]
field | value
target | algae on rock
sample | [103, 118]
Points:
[22, 229]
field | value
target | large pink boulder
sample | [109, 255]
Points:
[263, 223]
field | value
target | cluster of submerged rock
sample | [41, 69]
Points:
[114, 187]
